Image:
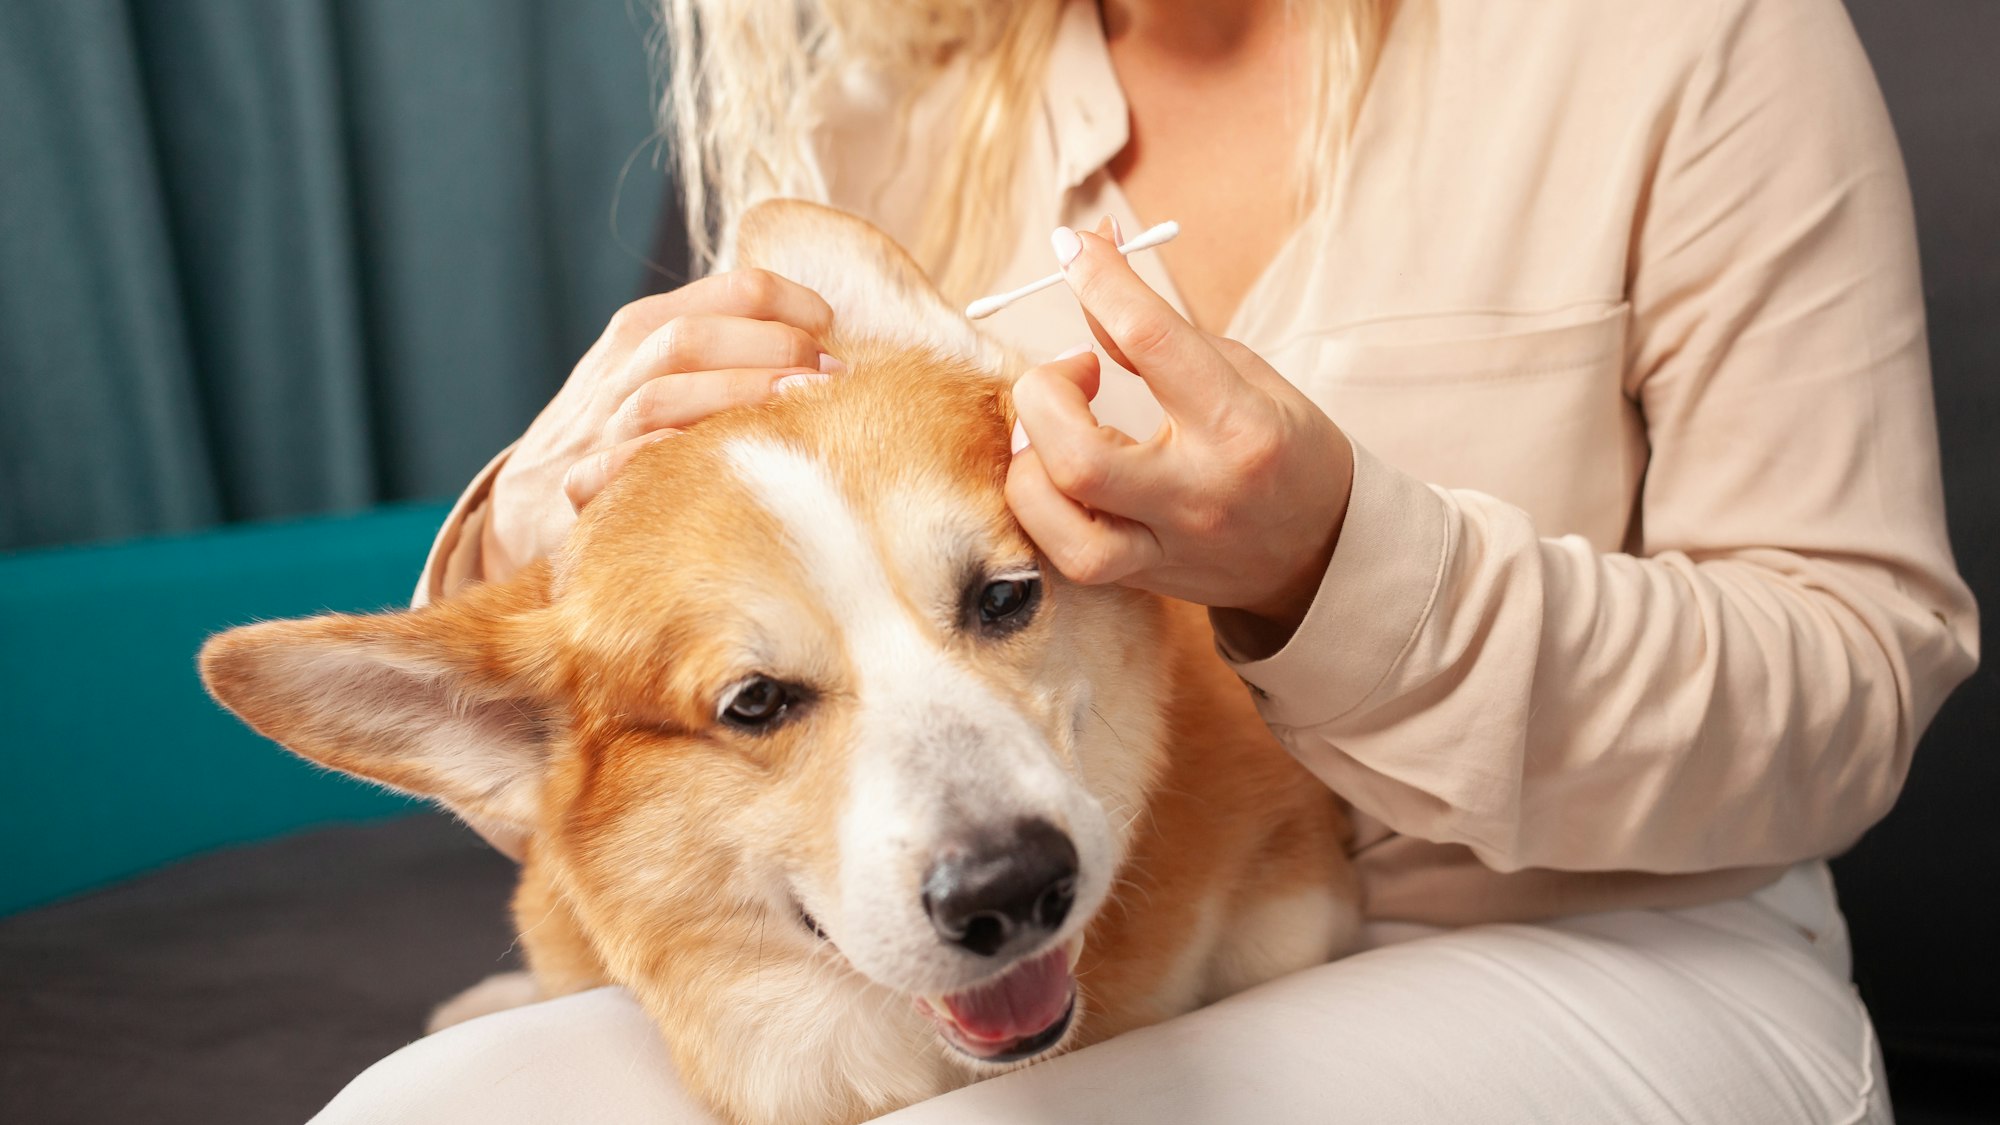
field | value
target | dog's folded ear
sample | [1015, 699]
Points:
[876, 289]
[441, 702]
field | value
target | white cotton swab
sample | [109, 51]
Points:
[1146, 240]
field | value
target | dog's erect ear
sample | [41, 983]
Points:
[440, 702]
[876, 289]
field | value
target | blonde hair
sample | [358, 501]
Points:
[744, 78]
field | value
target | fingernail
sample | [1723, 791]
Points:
[1067, 245]
[1020, 438]
[661, 435]
[830, 365]
[1071, 353]
[1117, 234]
[791, 383]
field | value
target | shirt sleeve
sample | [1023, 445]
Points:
[455, 560]
[1746, 687]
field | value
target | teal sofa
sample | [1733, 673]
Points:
[116, 761]
[195, 925]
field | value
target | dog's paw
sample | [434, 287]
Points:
[496, 993]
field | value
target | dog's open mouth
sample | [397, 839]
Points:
[1015, 1016]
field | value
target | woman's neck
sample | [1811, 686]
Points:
[1213, 91]
[1200, 31]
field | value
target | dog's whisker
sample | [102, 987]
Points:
[1115, 732]
[1133, 885]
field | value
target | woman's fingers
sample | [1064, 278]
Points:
[1140, 328]
[1092, 464]
[737, 320]
[1087, 546]
[588, 477]
[674, 401]
[749, 293]
[1107, 228]
[1078, 365]
[763, 295]
[707, 342]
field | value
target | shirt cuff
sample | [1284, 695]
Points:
[454, 561]
[1379, 588]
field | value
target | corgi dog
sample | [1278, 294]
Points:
[860, 798]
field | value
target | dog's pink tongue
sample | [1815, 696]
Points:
[1026, 1001]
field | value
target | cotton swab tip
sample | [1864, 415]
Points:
[1152, 236]
[1145, 240]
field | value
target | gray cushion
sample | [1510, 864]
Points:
[247, 985]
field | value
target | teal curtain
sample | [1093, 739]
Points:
[267, 257]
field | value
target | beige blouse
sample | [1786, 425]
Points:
[1644, 590]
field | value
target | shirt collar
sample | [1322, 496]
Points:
[1088, 117]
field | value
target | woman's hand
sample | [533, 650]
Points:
[1236, 502]
[664, 362]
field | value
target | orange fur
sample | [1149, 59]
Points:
[668, 849]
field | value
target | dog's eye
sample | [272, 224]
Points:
[1006, 601]
[758, 702]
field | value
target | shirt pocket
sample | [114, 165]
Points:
[1529, 409]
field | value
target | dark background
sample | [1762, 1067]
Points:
[1922, 890]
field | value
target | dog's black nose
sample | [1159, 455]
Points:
[1003, 891]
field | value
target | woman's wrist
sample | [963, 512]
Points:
[1269, 623]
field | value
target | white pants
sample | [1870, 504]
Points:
[1734, 1012]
